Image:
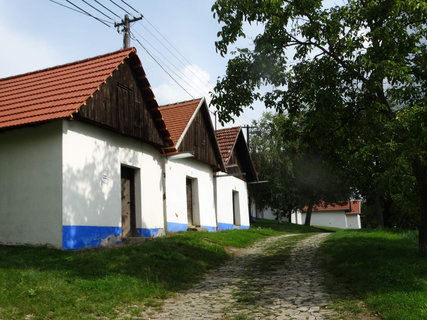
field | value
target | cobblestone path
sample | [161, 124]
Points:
[241, 290]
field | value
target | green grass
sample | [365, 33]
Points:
[45, 283]
[381, 268]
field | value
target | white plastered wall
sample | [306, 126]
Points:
[267, 213]
[353, 221]
[176, 173]
[92, 158]
[296, 217]
[30, 185]
[335, 219]
[225, 187]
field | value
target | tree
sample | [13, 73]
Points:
[298, 176]
[355, 71]
[272, 161]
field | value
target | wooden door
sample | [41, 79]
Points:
[128, 202]
[189, 188]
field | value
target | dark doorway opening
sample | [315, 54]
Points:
[128, 202]
[189, 190]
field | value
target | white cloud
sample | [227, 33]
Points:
[23, 53]
[192, 78]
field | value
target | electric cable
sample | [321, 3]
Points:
[172, 67]
[131, 7]
[87, 13]
[202, 81]
[97, 10]
[107, 9]
[148, 21]
[121, 7]
[155, 60]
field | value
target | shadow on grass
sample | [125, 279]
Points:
[381, 267]
[286, 226]
[166, 260]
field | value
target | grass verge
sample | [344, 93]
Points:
[44, 283]
[381, 268]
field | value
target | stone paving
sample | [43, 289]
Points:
[291, 290]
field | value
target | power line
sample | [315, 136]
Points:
[120, 7]
[87, 13]
[172, 47]
[63, 5]
[174, 69]
[152, 57]
[107, 9]
[174, 55]
[131, 7]
[202, 84]
[97, 10]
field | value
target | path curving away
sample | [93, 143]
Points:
[242, 289]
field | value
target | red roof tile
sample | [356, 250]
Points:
[226, 140]
[349, 208]
[177, 116]
[55, 92]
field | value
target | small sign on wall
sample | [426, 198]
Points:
[105, 178]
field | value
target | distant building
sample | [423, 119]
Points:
[345, 216]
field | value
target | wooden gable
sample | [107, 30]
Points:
[240, 161]
[120, 106]
[200, 139]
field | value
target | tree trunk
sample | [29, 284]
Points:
[309, 210]
[378, 209]
[420, 172]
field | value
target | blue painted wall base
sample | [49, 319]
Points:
[149, 233]
[77, 237]
[209, 228]
[225, 226]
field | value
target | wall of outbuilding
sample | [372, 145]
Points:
[353, 221]
[225, 185]
[336, 219]
[30, 185]
[176, 173]
[91, 188]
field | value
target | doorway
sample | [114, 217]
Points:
[128, 202]
[236, 208]
[190, 208]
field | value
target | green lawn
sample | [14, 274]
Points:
[381, 268]
[45, 283]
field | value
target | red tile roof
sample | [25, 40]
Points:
[177, 116]
[55, 92]
[226, 140]
[349, 208]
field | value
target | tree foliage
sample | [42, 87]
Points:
[355, 73]
[297, 175]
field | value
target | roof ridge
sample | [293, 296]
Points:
[68, 64]
[231, 128]
[180, 102]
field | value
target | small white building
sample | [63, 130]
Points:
[80, 160]
[231, 186]
[190, 167]
[345, 216]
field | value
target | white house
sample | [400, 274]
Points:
[345, 216]
[190, 167]
[80, 159]
[231, 186]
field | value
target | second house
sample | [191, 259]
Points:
[190, 166]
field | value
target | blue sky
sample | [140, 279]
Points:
[35, 34]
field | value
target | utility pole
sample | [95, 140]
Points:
[126, 28]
